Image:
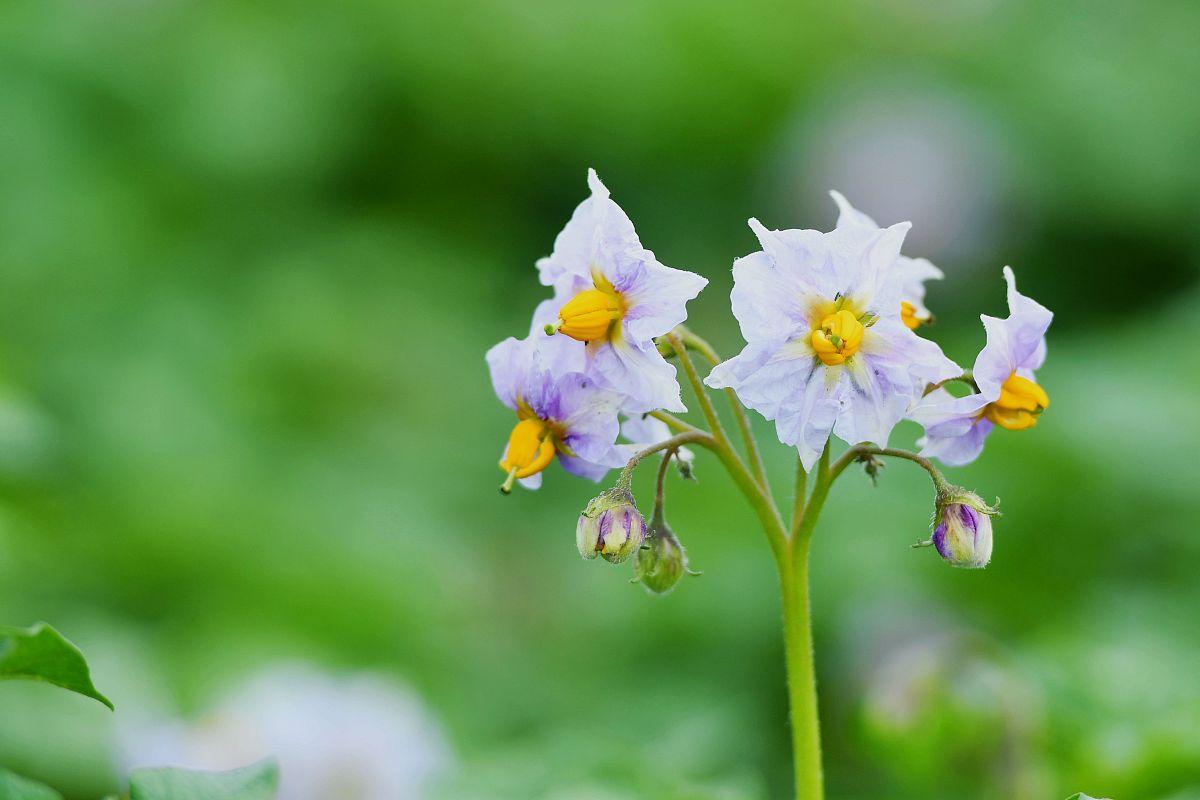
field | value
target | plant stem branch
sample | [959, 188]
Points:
[674, 422]
[701, 346]
[798, 502]
[939, 481]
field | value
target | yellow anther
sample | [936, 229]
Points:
[908, 315]
[530, 449]
[1020, 403]
[588, 315]
[838, 338]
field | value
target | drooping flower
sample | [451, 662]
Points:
[612, 296]
[956, 427]
[559, 413]
[827, 350]
[909, 274]
[963, 535]
[611, 526]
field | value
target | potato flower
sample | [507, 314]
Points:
[827, 349]
[956, 427]
[559, 413]
[613, 297]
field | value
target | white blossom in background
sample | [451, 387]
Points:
[827, 350]
[353, 737]
[956, 427]
[612, 296]
[908, 274]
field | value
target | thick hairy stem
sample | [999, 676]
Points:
[801, 674]
[739, 412]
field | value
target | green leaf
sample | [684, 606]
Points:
[14, 787]
[41, 653]
[255, 782]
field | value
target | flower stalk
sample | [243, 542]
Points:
[831, 352]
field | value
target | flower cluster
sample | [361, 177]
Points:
[831, 322]
[590, 354]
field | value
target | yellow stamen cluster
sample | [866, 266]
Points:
[908, 315]
[1020, 403]
[530, 450]
[838, 338]
[590, 315]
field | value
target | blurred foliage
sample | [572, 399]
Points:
[252, 255]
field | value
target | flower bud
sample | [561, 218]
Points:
[662, 562]
[611, 527]
[963, 536]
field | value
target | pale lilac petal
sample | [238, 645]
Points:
[769, 303]
[597, 229]
[878, 395]
[589, 415]
[638, 372]
[533, 482]
[954, 428]
[657, 299]
[1015, 343]
[782, 382]
[509, 363]
[586, 469]
[890, 340]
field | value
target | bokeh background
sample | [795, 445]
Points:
[252, 256]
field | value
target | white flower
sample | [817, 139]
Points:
[826, 349]
[559, 413]
[909, 274]
[613, 297]
[955, 428]
[359, 736]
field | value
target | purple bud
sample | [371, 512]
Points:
[610, 527]
[963, 536]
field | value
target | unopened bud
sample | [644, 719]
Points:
[963, 535]
[611, 527]
[662, 562]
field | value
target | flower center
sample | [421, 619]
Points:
[838, 338]
[530, 449]
[908, 315]
[1020, 404]
[590, 314]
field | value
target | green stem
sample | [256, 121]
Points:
[801, 673]
[701, 346]
[940, 483]
[673, 422]
[798, 501]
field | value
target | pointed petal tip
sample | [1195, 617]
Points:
[595, 184]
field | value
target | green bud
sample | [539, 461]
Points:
[610, 527]
[662, 562]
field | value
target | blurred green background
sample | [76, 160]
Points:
[252, 256]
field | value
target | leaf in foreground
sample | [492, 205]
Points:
[14, 787]
[41, 653]
[255, 782]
